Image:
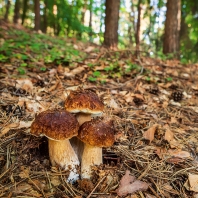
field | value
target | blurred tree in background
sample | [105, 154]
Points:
[156, 27]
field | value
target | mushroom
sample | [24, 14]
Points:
[85, 104]
[95, 134]
[59, 126]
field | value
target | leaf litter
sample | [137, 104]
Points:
[155, 153]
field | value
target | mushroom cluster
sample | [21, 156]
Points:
[75, 135]
[93, 133]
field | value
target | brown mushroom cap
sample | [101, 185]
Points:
[84, 101]
[96, 133]
[55, 124]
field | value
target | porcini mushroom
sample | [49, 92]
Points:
[59, 126]
[86, 104]
[95, 134]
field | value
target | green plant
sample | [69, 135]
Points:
[169, 79]
[92, 79]
[21, 71]
[3, 58]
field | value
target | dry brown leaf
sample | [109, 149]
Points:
[24, 173]
[169, 136]
[193, 181]
[74, 72]
[23, 124]
[22, 187]
[58, 85]
[32, 106]
[8, 127]
[25, 84]
[149, 134]
[179, 153]
[129, 184]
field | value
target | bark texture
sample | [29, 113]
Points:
[172, 27]
[111, 23]
[16, 11]
[37, 15]
[137, 36]
[25, 6]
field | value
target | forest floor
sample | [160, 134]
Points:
[153, 104]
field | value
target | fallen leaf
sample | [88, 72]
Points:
[24, 173]
[74, 72]
[179, 153]
[58, 85]
[193, 180]
[129, 184]
[112, 103]
[25, 84]
[8, 127]
[169, 136]
[149, 134]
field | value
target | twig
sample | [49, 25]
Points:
[96, 186]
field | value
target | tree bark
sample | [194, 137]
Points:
[172, 27]
[7, 10]
[111, 23]
[24, 11]
[45, 17]
[137, 35]
[16, 11]
[90, 19]
[37, 15]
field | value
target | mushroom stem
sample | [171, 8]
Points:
[62, 153]
[83, 117]
[92, 155]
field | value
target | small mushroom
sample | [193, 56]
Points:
[85, 103]
[59, 126]
[95, 134]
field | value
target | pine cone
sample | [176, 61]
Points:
[177, 96]
[137, 101]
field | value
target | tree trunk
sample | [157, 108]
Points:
[7, 10]
[172, 27]
[90, 20]
[24, 11]
[111, 23]
[137, 35]
[37, 15]
[16, 11]
[45, 17]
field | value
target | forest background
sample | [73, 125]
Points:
[155, 27]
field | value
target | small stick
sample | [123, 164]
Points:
[96, 186]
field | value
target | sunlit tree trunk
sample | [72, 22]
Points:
[25, 6]
[132, 26]
[37, 15]
[90, 19]
[16, 11]
[172, 27]
[111, 23]
[137, 36]
[7, 10]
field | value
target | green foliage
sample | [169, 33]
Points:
[41, 48]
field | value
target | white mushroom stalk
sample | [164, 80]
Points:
[95, 134]
[65, 157]
[92, 155]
